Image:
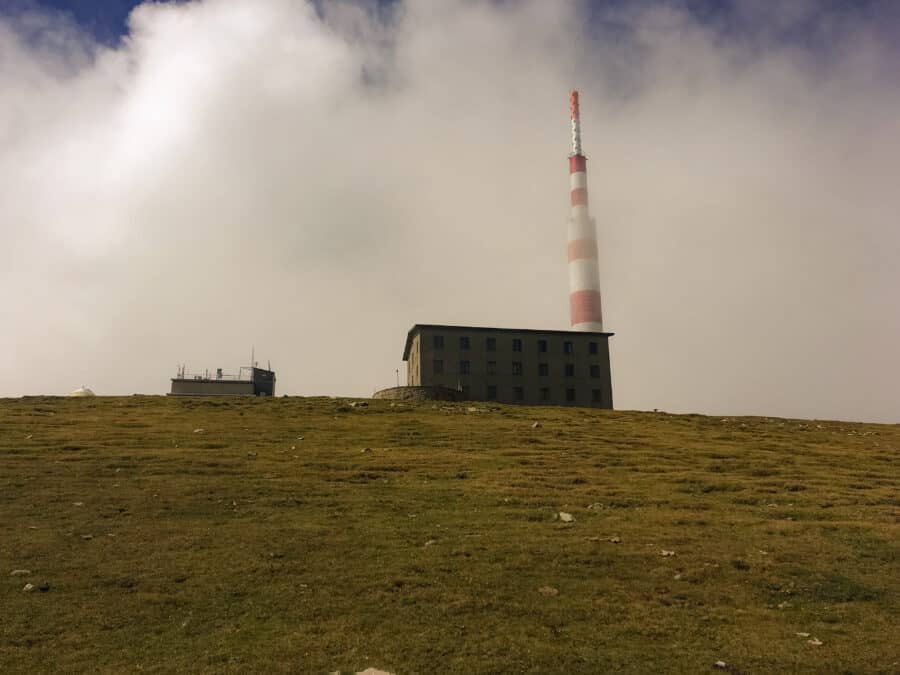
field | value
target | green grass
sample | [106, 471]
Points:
[245, 549]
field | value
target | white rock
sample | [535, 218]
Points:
[20, 573]
[199, 431]
[666, 554]
[28, 588]
[536, 425]
[815, 642]
[802, 634]
[566, 517]
[720, 665]
[373, 671]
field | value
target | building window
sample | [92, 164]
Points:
[491, 367]
[437, 367]
[438, 341]
[595, 370]
[592, 347]
[545, 393]
[492, 392]
[517, 344]
[542, 346]
[491, 344]
[519, 393]
[568, 347]
[570, 395]
[570, 370]
[516, 367]
[543, 369]
[464, 342]
[596, 395]
[463, 367]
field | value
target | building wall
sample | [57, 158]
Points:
[413, 366]
[511, 372]
[191, 387]
[263, 382]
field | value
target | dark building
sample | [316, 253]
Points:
[537, 367]
[261, 382]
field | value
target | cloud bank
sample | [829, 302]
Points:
[312, 179]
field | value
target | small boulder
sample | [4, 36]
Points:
[20, 573]
[666, 554]
[566, 517]
[28, 588]
[548, 591]
[536, 425]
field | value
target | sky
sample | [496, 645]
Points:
[182, 181]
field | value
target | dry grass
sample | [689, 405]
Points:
[244, 549]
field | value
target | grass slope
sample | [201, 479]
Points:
[242, 548]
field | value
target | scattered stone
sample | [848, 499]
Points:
[359, 404]
[299, 438]
[366, 450]
[803, 635]
[677, 577]
[77, 503]
[548, 591]
[373, 671]
[28, 588]
[20, 573]
[593, 538]
[784, 605]
[199, 431]
[87, 537]
[614, 540]
[596, 506]
[251, 455]
[721, 665]
[537, 425]
[431, 542]
[566, 517]
[666, 554]
[815, 642]
[28, 437]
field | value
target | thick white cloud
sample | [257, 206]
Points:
[315, 180]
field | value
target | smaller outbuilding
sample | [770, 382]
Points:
[250, 381]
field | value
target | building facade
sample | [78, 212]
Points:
[507, 365]
[261, 383]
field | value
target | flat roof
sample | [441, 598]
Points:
[485, 329]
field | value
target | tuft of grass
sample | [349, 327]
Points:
[243, 548]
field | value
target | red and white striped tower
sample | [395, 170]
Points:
[584, 272]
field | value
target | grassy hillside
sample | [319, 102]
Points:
[202, 535]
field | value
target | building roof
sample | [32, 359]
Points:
[485, 329]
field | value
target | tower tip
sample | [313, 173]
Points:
[573, 102]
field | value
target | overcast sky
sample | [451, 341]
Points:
[314, 178]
